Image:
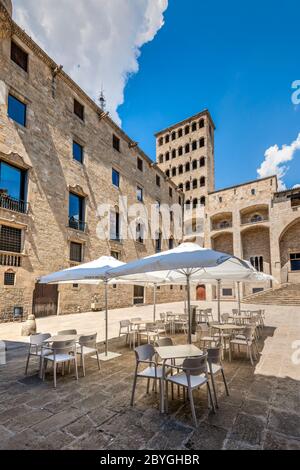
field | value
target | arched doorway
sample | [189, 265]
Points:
[289, 244]
[201, 292]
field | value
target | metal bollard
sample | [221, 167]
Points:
[2, 353]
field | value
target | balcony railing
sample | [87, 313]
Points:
[12, 204]
[77, 224]
[10, 259]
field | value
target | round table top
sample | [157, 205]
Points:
[139, 322]
[58, 338]
[226, 326]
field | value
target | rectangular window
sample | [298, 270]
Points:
[10, 239]
[227, 292]
[17, 110]
[295, 261]
[79, 110]
[140, 233]
[116, 142]
[9, 279]
[12, 188]
[157, 181]
[115, 225]
[77, 152]
[139, 194]
[115, 254]
[258, 263]
[19, 56]
[115, 178]
[138, 295]
[256, 290]
[140, 164]
[170, 192]
[76, 212]
[76, 252]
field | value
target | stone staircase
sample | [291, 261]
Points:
[287, 294]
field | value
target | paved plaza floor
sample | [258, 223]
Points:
[262, 411]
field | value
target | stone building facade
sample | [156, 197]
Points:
[61, 158]
[252, 220]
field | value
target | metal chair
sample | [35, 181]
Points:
[67, 333]
[36, 343]
[205, 337]
[193, 376]
[87, 346]
[150, 333]
[62, 352]
[146, 355]
[215, 366]
[247, 339]
[125, 329]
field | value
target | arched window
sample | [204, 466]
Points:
[167, 139]
[194, 126]
[180, 133]
[174, 153]
[180, 169]
[195, 164]
[140, 232]
[195, 184]
[188, 186]
[194, 145]
[173, 135]
[201, 123]
[188, 205]
[195, 203]
[203, 201]
[171, 243]
[174, 171]
[168, 173]
[167, 156]
[187, 148]
[161, 159]
[158, 239]
[202, 142]
[202, 162]
[181, 186]
[187, 167]
[224, 224]
[187, 130]
[180, 151]
[202, 182]
[161, 141]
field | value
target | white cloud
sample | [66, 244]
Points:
[296, 186]
[97, 41]
[276, 159]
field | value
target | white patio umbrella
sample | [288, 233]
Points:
[185, 262]
[94, 273]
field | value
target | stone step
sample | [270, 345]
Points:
[288, 294]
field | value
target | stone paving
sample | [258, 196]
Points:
[262, 412]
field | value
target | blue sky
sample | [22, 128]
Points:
[236, 59]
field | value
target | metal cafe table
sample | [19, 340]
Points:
[169, 353]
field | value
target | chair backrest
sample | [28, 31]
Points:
[136, 319]
[144, 353]
[150, 326]
[63, 347]
[235, 311]
[214, 355]
[249, 332]
[124, 323]
[195, 365]
[183, 317]
[162, 316]
[37, 340]
[203, 328]
[225, 317]
[89, 341]
[162, 342]
[67, 332]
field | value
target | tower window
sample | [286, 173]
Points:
[140, 164]
[202, 142]
[174, 153]
[174, 171]
[79, 110]
[115, 178]
[77, 152]
[173, 135]
[187, 167]
[19, 56]
[181, 186]
[195, 164]
[180, 133]
[157, 181]
[168, 173]
[202, 162]
[194, 127]
[17, 110]
[9, 278]
[187, 148]
[202, 182]
[257, 262]
[161, 159]
[194, 145]
[187, 130]
[188, 186]
[167, 139]
[170, 192]
[167, 156]
[180, 151]
[160, 141]
[195, 184]
[180, 169]
[203, 201]
[116, 142]
[201, 123]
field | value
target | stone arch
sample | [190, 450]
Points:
[289, 243]
[256, 243]
[223, 242]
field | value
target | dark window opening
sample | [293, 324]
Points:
[167, 156]
[140, 164]
[140, 233]
[158, 243]
[180, 169]
[167, 139]
[195, 164]
[187, 148]
[256, 290]
[116, 142]
[76, 252]
[10, 239]
[187, 186]
[9, 279]
[168, 173]
[180, 151]
[194, 145]
[202, 182]
[173, 153]
[76, 212]
[115, 178]
[173, 135]
[19, 56]
[17, 110]
[79, 110]
[227, 292]
[115, 254]
[195, 184]
[258, 263]
[77, 152]
[187, 167]
[161, 159]
[171, 243]
[139, 194]
[161, 141]
[138, 295]
[157, 181]
[180, 133]
[187, 130]
[202, 142]
[194, 126]
[201, 123]
[295, 261]
[202, 162]
[174, 171]
[170, 192]
[203, 201]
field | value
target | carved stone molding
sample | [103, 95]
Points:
[78, 190]
[5, 23]
[15, 159]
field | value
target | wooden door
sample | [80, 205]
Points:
[45, 300]
[201, 292]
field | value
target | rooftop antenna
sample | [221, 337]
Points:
[102, 100]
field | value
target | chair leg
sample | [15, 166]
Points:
[250, 354]
[98, 360]
[133, 390]
[148, 386]
[225, 383]
[214, 389]
[210, 397]
[191, 398]
[167, 397]
[54, 373]
[44, 367]
[83, 364]
[76, 366]
[27, 363]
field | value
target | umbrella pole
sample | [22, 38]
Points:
[219, 301]
[106, 317]
[189, 307]
[239, 295]
[154, 302]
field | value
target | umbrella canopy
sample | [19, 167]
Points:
[185, 263]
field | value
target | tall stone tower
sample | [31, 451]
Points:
[185, 152]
